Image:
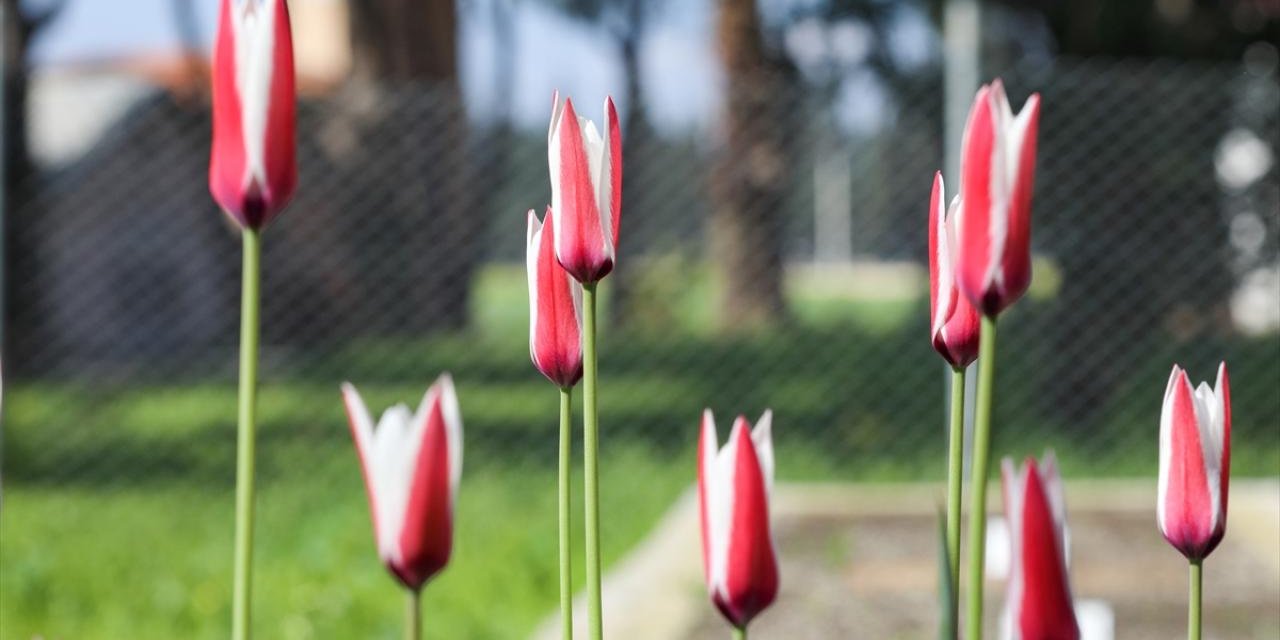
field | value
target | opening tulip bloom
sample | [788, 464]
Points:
[1038, 604]
[411, 463]
[734, 482]
[956, 323]
[253, 169]
[1195, 463]
[997, 169]
[586, 189]
[555, 307]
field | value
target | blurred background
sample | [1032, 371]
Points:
[778, 156]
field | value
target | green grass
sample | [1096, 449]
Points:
[154, 561]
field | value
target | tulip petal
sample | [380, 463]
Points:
[1039, 602]
[426, 538]
[751, 577]
[708, 500]
[613, 134]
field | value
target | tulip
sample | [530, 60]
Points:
[738, 554]
[1195, 463]
[586, 189]
[955, 321]
[586, 195]
[252, 168]
[998, 162]
[555, 345]
[411, 464]
[1038, 605]
[955, 328]
[555, 307]
[993, 270]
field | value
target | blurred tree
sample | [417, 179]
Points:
[752, 173]
[405, 95]
[1120, 198]
[21, 25]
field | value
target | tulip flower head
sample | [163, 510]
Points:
[252, 168]
[1038, 605]
[1195, 463]
[411, 463]
[734, 482]
[998, 162]
[956, 323]
[555, 307]
[586, 189]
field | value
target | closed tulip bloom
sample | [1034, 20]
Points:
[1195, 463]
[412, 463]
[734, 482]
[1038, 604]
[586, 189]
[956, 323]
[555, 307]
[997, 169]
[253, 167]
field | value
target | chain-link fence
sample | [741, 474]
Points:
[1155, 227]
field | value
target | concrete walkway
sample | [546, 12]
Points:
[656, 592]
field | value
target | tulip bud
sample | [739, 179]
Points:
[411, 464]
[956, 324]
[555, 307]
[1195, 463]
[586, 189]
[738, 555]
[1038, 605]
[252, 167]
[997, 169]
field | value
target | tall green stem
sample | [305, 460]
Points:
[981, 469]
[566, 560]
[413, 615]
[739, 633]
[590, 445]
[1193, 607]
[955, 471]
[248, 401]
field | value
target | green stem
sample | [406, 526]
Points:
[739, 633]
[248, 401]
[566, 560]
[1193, 608]
[413, 615]
[590, 445]
[955, 471]
[981, 469]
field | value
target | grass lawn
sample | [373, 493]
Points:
[154, 561]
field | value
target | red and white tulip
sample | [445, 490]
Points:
[586, 189]
[997, 169]
[253, 166]
[1038, 604]
[956, 323]
[411, 463]
[1195, 463]
[734, 483]
[555, 307]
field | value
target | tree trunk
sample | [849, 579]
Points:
[635, 132]
[751, 176]
[20, 324]
[409, 159]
